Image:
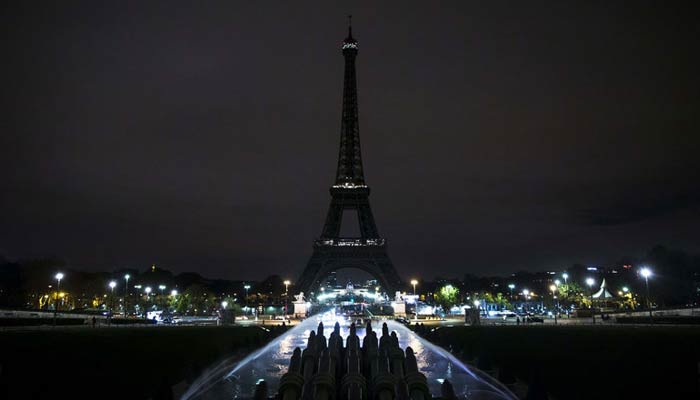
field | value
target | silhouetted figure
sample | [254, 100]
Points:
[94, 321]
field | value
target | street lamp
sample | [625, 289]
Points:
[286, 297]
[224, 304]
[148, 299]
[553, 288]
[58, 277]
[526, 293]
[590, 282]
[646, 273]
[160, 299]
[565, 276]
[414, 282]
[173, 292]
[246, 287]
[126, 292]
[112, 285]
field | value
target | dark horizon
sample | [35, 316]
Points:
[495, 138]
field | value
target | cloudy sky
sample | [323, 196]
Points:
[204, 137]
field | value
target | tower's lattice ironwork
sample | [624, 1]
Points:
[367, 252]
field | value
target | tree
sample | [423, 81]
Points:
[502, 301]
[447, 297]
[571, 293]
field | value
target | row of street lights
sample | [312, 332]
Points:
[112, 285]
[645, 272]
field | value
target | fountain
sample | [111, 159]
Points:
[334, 365]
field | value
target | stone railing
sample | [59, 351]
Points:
[378, 369]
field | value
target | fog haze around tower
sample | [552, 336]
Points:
[204, 137]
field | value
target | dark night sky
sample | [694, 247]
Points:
[522, 135]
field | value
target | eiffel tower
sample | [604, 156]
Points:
[368, 252]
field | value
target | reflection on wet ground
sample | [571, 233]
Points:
[271, 362]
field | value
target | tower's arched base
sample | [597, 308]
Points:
[372, 259]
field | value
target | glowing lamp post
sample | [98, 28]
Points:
[526, 293]
[477, 304]
[286, 297]
[58, 277]
[160, 298]
[173, 297]
[566, 277]
[224, 304]
[126, 292]
[511, 287]
[646, 273]
[590, 282]
[553, 288]
[414, 282]
[246, 287]
[147, 290]
[112, 285]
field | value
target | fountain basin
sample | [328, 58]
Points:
[270, 363]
